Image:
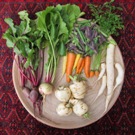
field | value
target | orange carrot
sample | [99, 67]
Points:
[81, 68]
[79, 65]
[70, 63]
[87, 66]
[97, 73]
[92, 73]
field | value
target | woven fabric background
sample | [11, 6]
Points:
[15, 120]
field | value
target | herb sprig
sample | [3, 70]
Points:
[107, 18]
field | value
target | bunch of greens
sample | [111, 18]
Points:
[85, 40]
[107, 18]
[27, 43]
[109, 22]
[56, 24]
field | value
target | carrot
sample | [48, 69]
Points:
[82, 66]
[64, 64]
[87, 66]
[79, 65]
[96, 73]
[92, 73]
[76, 60]
[70, 63]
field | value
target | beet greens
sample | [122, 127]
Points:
[27, 44]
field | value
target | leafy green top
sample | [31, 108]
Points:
[107, 19]
[25, 39]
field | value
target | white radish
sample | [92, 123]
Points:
[110, 73]
[120, 75]
[102, 71]
[102, 88]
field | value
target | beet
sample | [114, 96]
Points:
[33, 96]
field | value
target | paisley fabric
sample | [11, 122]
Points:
[15, 120]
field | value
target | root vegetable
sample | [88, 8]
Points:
[45, 89]
[26, 91]
[79, 107]
[78, 89]
[102, 71]
[33, 96]
[87, 66]
[81, 68]
[64, 109]
[70, 63]
[76, 60]
[120, 75]
[64, 64]
[110, 73]
[92, 73]
[63, 94]
[102, 88]
[79, 64]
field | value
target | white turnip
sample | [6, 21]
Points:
[45, 88]
[63, 94]
[78, 89]
[79, 107]
[64, 109]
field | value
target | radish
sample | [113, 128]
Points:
[102, 88]
[102, 71]
[120, 75]
[110, 72]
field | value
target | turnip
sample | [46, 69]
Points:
[45, 89]
[102, 88]
[120, 75]
[64, 109]
[102, 71]
[63, 94]
[78, 89]
[80, 108]
[110, 72]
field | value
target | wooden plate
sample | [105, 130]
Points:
[51, 118]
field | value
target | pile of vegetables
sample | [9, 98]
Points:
[50, 30]
[83, 45]
[84, 42]
[71, 98]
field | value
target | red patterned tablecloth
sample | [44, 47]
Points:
[15, 120]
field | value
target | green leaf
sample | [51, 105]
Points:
[25, 21]
[10, 39]
[62, 50]
[9, 21]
